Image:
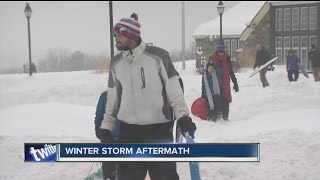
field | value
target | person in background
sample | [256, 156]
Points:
[108, 168]
[292, 66]
[314, 57]
[33, 68]
[211, 90]
[262, 57]
[222, 59]
[24, 69]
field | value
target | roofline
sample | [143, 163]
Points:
[217, 17]
[224, 36]
[255, 20]
[258, 17]
[283, 3]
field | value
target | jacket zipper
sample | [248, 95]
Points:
[143, 78]
[134, 97]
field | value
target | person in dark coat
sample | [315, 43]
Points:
[314, 57]
[24, 69]
[292, 66]
[108, 168]
[262, 57]
[211, 90]
[33, 68]
[223, 60]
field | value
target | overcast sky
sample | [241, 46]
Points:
[84, 26]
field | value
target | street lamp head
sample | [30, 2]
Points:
[220, 8]
[28, 11]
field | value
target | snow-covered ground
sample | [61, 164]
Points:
[59, 107]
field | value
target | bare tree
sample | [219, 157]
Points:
[57, 60]
[53, 60]
[176, 55]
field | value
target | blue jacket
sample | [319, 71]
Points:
[292, 62]
[100, 110]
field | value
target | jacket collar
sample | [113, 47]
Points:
[137, 51]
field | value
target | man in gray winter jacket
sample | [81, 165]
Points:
[142, 87]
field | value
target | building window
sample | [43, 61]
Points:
[295, 45]
[304, 51]
[304, 42]
[304, 57]
[313, 18]
[287, 19]
[295, 18]
[279, 49]
[304, 18]
[279, 19]
[279, 42]
[227, 46]
[234, 46]
[286, 47]
[312, 41]
[286, 42]
[240, 43]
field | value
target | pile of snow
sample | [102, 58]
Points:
[60, 107]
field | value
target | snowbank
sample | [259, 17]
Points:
[60, 107]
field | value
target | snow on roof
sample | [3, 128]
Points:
[233, 20]
[283, 3]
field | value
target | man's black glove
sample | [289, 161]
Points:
[236, 87]
[187, 126]
[104, 135]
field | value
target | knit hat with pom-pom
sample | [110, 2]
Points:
[129, 27]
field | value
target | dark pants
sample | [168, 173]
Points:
[155, 133]
[292, 73]
[214, 114]
[220, 105]
[109, 170]
[225, 108]
[263, 78]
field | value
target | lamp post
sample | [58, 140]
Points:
[203, 63]
[220, 9]
[199, 59]
[183, 37]
[28, 12]
[111, 26]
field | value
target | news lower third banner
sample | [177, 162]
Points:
[90, 152]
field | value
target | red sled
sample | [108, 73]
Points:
[198, 108]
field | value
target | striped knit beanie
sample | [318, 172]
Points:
[129, 27]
